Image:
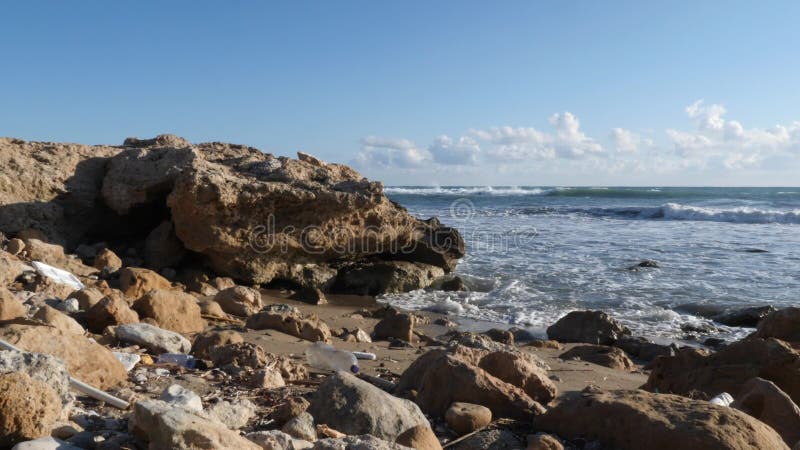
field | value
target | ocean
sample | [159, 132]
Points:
[536, 253]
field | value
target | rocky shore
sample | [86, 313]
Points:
[187, 282]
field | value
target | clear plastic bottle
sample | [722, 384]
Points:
[723, 399]
[325, 357]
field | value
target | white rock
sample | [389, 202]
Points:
[301, 427]
[234, 415]
[128, 360]
[153, 338]
[181, 397]
[69, 305]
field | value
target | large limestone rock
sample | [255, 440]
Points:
[783, 324]
[353, 406]
[165, 426]
[693, 371]
[768, 403]
[28, 408]
[86, 360]
[590, 327]
[10, 306]
[239, 300]
[153, 338]
[45, 368]
[52, 188]
[440, 379]
[172, 310]
[634, 420]
[386, 277]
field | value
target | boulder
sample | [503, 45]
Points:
[110, 311]
[235, 414]
[362, 442]
[384, 277]
[301, 427]
[135, 282]
[153, 338]
[520, 369]
[56, 318]
[171, 310]
[589, 327]
[87, 297]
[165, 426]
[204, 341]
[395, 325]
[420, 437]
[41, 367]
[695, 371]
[107, 261]
[634, 420]
[10, 306]
[465, 418]
[28, 408]
[766, 402]
[239, 301]
[178, 396]
[440, 379]
[361, 408]
[289, 320]
[86, 360]
[601, 355]
[643, 349]
[783, 324]
[744, 317]
[162, 248]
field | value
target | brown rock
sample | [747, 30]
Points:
[420, 437]
[395, 325]
[15, 246]
[290, 369]
[380, 277]
[87, 297]
[204, 341]
[768, 403]
[590, 327]
[465, 418]
[86, 360]
[501, 336]
[10, 268]
[291, 408]
[289, 320]
[110, 311]
[10, 306]
[695, 371]
[212, 309]
[540, 343]
[107, 261]
[28, 408]
[440, 379]
[543, 441]
[54, 255]
[520, 369]
[634, 420]
[601, 355]
[135, 282]
[239, 301]
[783, 324]
[172, 310]
[267, 378]
[162, 248]
[242, 354]
[56, 318]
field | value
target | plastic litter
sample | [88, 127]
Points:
[58, 275]
[179, 359]
[325, 357]
[364, 355]
[723, 399]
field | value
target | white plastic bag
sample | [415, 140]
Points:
[58, 275]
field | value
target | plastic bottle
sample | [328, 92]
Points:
[723, 399]
[324, 356]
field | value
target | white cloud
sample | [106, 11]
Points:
[385, 152]
[465, 151]
[626, 141]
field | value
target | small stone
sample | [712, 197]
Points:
[107, 261]
[239, 301]
[395, 325]
[235, 414]
[301, 427]
[153, 338]
[179, 396]
[15, 246]
[543, 441]
[465, 418]
[420, 437]
[69, 305]
[109, 311]
[204, 341]
[267, 378]
[55, 318]
[291, 408]
[128, 360]
[356, 335]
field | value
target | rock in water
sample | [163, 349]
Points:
[589, 327]
[28, 408]
[153, 338]
[86, 360]
[635, 420]
[164, 426]
[361, 408]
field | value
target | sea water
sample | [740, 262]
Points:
[536, 253]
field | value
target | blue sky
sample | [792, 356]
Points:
[519, 93]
